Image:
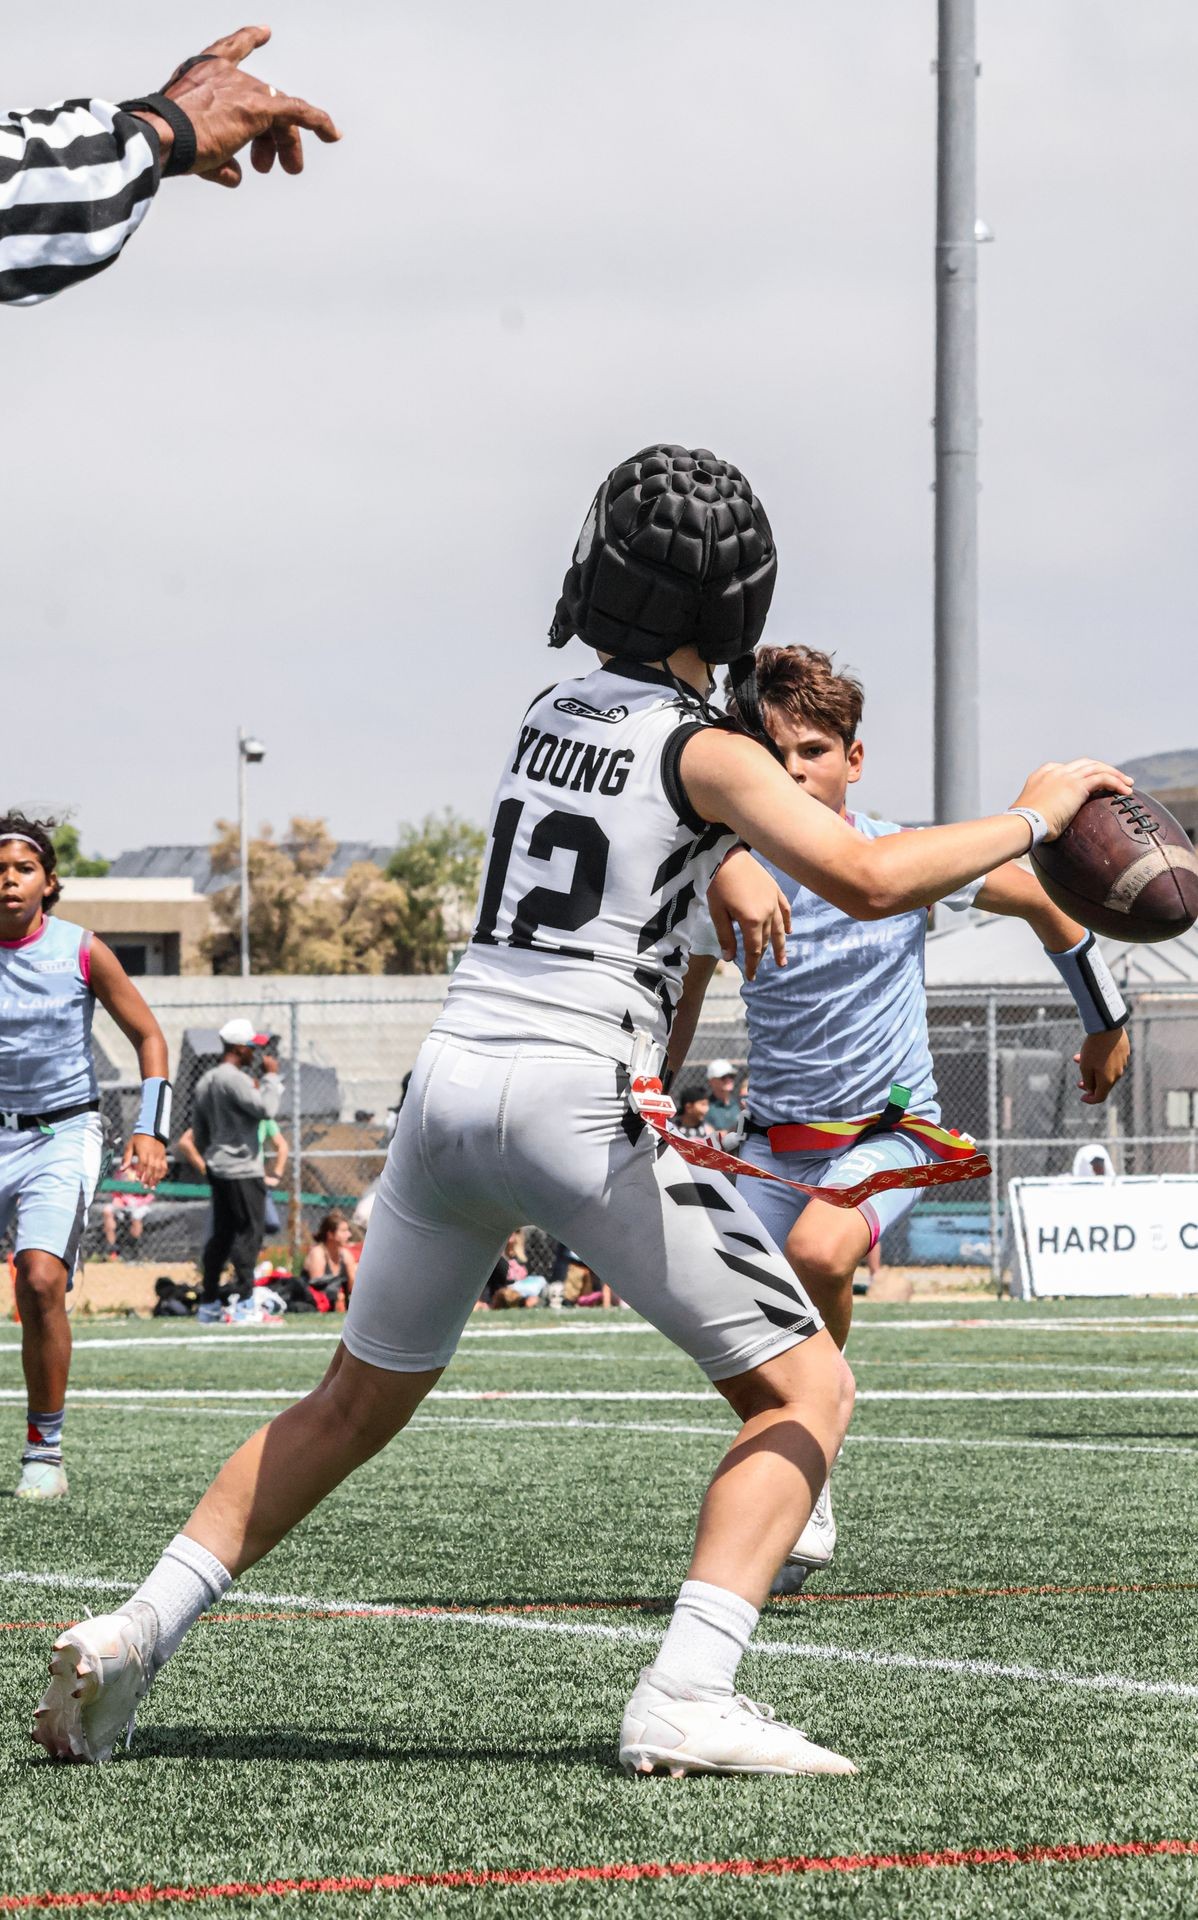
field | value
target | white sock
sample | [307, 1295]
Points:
[706, 1637]
[182, 1586]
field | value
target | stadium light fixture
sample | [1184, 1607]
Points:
[250, 751]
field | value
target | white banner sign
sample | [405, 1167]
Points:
[1121, 1236]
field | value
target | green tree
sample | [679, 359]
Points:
[72, 863]
[438, 865]
[403, 920]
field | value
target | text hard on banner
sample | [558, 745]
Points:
[1136, 1235]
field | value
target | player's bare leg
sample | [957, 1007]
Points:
[41, 1291]
[825, 1247]
[41, 1297]
[686, 1715]
[286, 1469]
[796, 1410]
[102, 1668]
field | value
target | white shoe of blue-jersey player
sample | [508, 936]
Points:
[813, 1549]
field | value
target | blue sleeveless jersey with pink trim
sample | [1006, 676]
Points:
[46, 1006]
[847, 1015]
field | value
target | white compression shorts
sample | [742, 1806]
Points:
[495, 1136]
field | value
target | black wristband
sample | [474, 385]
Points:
[183, 152]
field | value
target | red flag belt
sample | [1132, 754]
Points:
[939, 1173]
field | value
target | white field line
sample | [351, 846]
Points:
[628, 1396]
[498, 1348]
[217, 1337]
[1120, 1683]
[999, 1364]
[709, 1431]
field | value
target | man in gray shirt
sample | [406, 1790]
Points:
[225, 1129]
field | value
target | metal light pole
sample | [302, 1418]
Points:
[248, 750]
[957, 744]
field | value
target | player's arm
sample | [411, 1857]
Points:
[743, 895]
[190, 1151]
[282, 1153]
[730, 778]
[67, 220]
[261, 1103]
[1104, 1053]
[699, 971]
[144, 1157]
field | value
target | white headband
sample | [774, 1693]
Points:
[28, 842]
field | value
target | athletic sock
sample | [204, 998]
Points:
[706, 1637]
[182, 1586]
[43, 1437]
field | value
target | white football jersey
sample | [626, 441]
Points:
[596, 870]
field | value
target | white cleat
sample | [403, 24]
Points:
[813, 1549]
[100, 1670]
[41, 1480]
[723, 1733]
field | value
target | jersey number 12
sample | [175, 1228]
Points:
[563, 909]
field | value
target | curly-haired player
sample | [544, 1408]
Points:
[51, 974]
[840, 1068]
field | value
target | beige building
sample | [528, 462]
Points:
[153, 926]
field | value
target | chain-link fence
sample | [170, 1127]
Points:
[1004, 1065]
[342, 1064]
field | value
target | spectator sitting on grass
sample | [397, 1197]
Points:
[132, 1208]
[330, 1267]
[597, 1293]
[511, 1284]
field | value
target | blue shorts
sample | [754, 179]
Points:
[778, 1208]
[48, 1180]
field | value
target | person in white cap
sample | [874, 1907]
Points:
[723, 1107]
[1093, 1162]
[229, 1108]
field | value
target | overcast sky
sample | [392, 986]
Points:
[313, 455]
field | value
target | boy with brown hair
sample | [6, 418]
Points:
[839, 1062]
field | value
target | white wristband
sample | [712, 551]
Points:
[1036, 822]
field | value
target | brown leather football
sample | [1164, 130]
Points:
[1123, 867]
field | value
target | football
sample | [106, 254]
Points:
[1123, 867]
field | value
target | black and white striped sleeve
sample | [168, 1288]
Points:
[76, 180]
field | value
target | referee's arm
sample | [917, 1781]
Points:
[76, 180]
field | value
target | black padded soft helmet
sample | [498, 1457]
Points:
[676, 551]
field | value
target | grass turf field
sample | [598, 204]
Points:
[1006, 1644]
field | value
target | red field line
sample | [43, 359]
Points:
[652, 1605]
[1072, 1854]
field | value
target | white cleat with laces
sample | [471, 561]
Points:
[813, 1549]
[719, 1733]
[100, 1671]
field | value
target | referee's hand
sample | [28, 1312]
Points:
[230, 109]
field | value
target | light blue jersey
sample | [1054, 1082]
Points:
[847, 1016]
[46, 1006]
